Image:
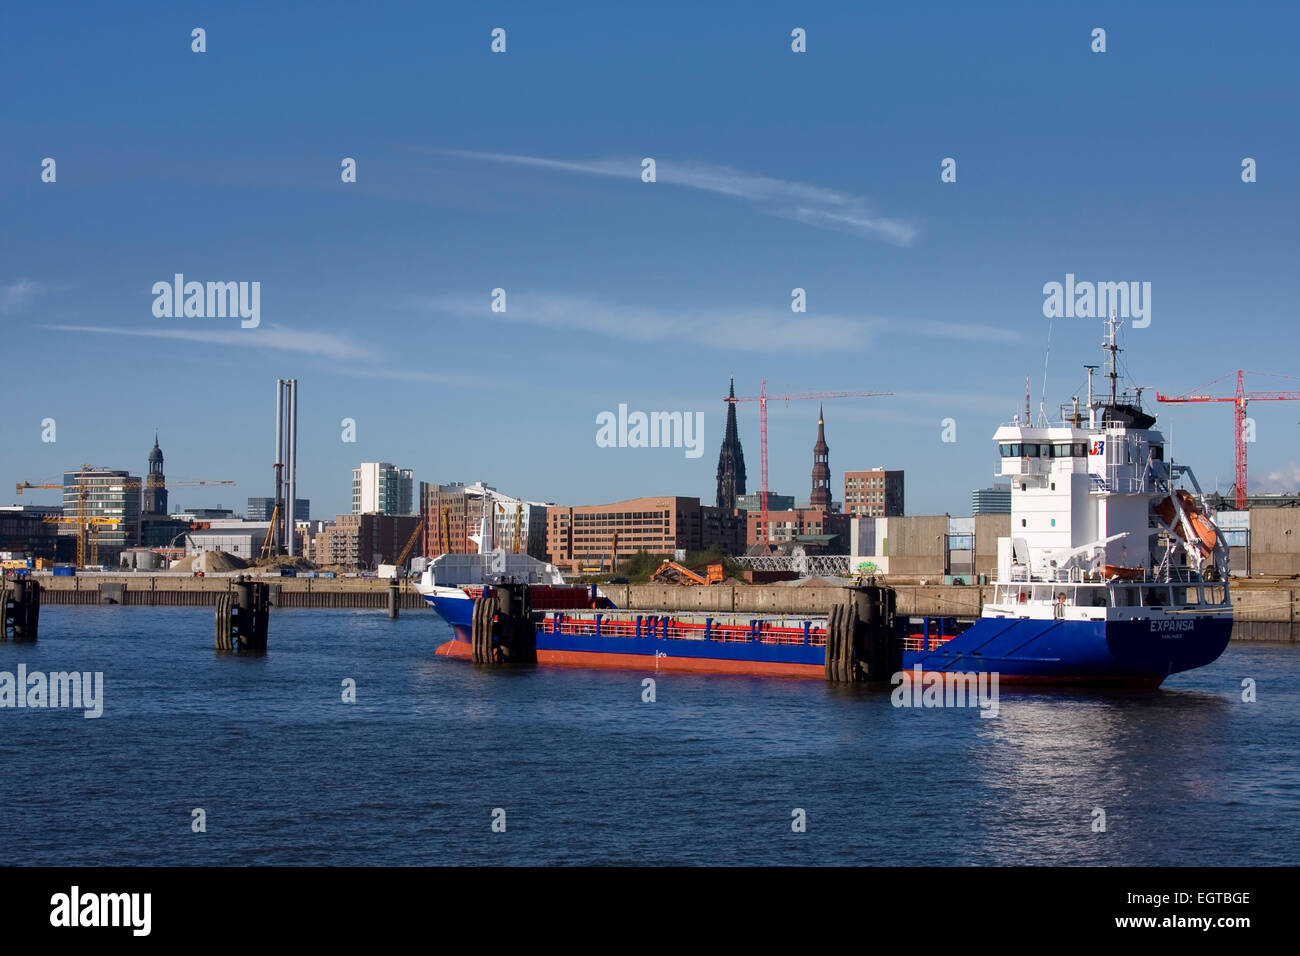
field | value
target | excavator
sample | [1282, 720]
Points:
[670, 572]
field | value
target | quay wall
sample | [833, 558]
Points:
[1265, 611]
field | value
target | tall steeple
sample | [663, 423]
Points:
[155, 483]
[821, 473]
[731, 460]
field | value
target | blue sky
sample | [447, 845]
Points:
[521, 171]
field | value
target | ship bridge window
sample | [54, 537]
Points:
[1158, 452]
[1010, 451]
[1030, 451]
[1125, 597]
[1063, 451]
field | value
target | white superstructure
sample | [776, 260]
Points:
[1099, 526]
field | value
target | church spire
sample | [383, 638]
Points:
[731, 459]
[820, 500]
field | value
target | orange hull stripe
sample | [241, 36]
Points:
[644, 662]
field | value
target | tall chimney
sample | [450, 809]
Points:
[279, 466]
[292, 491]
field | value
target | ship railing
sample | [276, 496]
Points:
[664, 627]
[917, 642]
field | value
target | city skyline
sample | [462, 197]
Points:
[824, 177]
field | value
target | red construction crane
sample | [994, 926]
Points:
[763, 398]
[1239, 401]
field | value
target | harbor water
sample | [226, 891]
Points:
[582, 769]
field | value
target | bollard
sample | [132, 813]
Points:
[20, 610]
[225, 603]
[863, 641]
[392, 601]
[504, 630]
[242, 616]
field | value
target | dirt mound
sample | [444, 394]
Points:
[274, 564]
[211, 562]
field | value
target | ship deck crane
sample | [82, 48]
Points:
[763, 398]
[1240, 399]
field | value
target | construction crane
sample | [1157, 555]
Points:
[1239, 400]
[85, 522]
[519, 520]
[270, 534]
[446, 529]
[763, 398]
[90, 524]
[83, 495]
[410, 544]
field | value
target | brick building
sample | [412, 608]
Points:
[799, 523]
[583, 536]
[363, 542]
[873, 494]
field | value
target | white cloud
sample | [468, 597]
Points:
[16, 294]
[812, 205]
[749, 330]
[1286, 480]
[279, 338]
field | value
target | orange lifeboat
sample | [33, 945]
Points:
[1201, 525]
[1115, 572]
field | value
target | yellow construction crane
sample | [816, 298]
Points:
[519, 516]
[270, 532]
[446, 529]
[86, 523]
[406, 551]
[91, 524]
[83, 494]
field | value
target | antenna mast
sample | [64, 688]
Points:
[1111, 350]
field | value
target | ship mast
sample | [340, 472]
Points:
[1111, 350]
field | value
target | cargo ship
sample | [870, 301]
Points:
[1114, 573]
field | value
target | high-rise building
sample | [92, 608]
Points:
[108, 494]
[820, 500]
[379, 488]
[731, 460]
[877, 493]
[991, 501]
[259, 509]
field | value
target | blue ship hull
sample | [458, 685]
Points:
[1124, 652]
